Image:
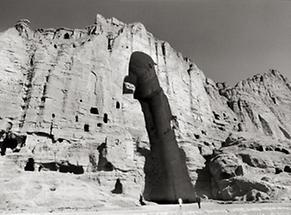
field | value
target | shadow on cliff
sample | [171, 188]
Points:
[203, 182]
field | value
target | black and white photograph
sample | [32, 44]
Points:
[147, 107]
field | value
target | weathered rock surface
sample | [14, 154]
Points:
[62, 88]
[245, 169]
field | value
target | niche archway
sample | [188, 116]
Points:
[166, 175]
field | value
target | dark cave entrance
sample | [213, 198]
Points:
[166, 174]
[103, 163]
[203, 183]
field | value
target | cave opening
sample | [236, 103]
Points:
[103, 163]
[105, 118]
[117, 105]
[29, 165]
[166, 175]
[86, 127]
[63, 167]
[66, 36]
[203, 182]
[287, 169]
[94, 110]
[118, 187]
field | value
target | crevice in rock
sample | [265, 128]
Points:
[200, 149]
[64, 99]
[164, 52]
[105, 118]
[250, 113]
[203, 132]
[110, 41]
[92, 161]
[190, 69]
[216, 115]
[285, 133]
[44, 96]
[30, 73]
[157, 54]
[265, 125]
[274, 100]
[52, 125]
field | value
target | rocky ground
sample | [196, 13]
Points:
[54, 191]
[207, 208]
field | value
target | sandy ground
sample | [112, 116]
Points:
[54, 193]
[207, 208]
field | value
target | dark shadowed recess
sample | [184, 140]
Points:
[166, 175]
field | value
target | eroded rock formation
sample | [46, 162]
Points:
[62, 89]
[248, 169]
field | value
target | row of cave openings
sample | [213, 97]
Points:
[110, 42]
[66, 167]
[68, 36]
[95, 111]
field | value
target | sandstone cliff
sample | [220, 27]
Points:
[62, 89]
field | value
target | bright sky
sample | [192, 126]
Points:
[229, 40]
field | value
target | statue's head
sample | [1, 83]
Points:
[141, 79]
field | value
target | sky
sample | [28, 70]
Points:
[229, 40]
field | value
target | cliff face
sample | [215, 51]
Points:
[262, 103]
[68, 83]
[62, 88]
